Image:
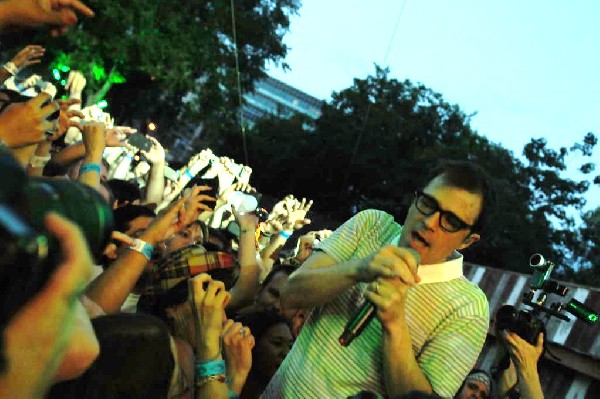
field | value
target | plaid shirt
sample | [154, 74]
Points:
[182, 264]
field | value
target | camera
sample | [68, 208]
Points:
[528, 324]
[28, 254]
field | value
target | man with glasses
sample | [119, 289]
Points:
[431, 321]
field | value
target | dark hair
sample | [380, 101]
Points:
[279, 268]
[125, 214]
[124, 191]
[472, 178]
[135, 361]
[260, 321]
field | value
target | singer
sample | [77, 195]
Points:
[430, 322]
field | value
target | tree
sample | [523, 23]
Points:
[161, 50]
[373, 143]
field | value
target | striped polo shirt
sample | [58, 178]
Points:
[447, 315]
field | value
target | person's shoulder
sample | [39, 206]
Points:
[374, 216]
[472, 296]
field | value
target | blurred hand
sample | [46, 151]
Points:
[43, 327]
[307, 242]
[296, 213]
[237, 349]
[246, 220]
[30, 55]
[94, 138]
[26, 123]
[75, 83]
[64, 118]
[31, 81]
[117, 136]
[59, 14]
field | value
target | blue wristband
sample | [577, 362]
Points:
[206, 369]
[188, 174]
[232, 395]
[285, 234]
[89, 167]
[143, 247]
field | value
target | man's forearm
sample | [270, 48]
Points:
[401, 371]
[316, 283]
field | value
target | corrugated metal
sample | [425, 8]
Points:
[502, 287]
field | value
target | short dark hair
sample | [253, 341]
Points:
[135, 361]
[473, 178]
[124, 191]
[125, 214]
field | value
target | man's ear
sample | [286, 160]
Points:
[470, 240]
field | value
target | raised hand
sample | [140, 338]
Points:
[30, 55]
[60, 14]
[26, 123]
[208, 298]
[156, 154]
[75, 83]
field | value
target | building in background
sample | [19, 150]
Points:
[273, 97]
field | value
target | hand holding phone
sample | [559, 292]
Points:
[140, 141]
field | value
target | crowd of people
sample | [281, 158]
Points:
[146, 281]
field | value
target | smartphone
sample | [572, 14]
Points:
[213, 183]
[140, 141]
[171, 174]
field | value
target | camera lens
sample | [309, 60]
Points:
[81, 204]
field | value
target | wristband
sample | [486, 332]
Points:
[11, 68]
[232, 395]
[90, 167]
[129, 156]
[286, 234]
[38, 162]
[207, 369]
[142, 247]
[188, 174]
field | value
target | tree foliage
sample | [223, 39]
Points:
[372, 147]
[159, 51]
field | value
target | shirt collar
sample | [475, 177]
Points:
[439, 272]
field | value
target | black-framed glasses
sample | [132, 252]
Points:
[448, 221]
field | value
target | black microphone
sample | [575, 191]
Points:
[357, 323]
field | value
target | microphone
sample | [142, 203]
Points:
[361, 319]
[357, 323]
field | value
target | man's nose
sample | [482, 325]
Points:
[431, 221]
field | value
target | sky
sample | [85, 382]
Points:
[527, 68]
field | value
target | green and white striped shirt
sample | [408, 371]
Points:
[447, 315]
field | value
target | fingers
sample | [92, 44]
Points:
[40, 99]
[122, 237]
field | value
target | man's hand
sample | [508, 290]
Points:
[26, 123]
[30, 55]
[117, 136]
[64, 118]
[524, 355]
[391, 261]
[60, 14]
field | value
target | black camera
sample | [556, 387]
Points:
[528, 324]
[28, 254]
